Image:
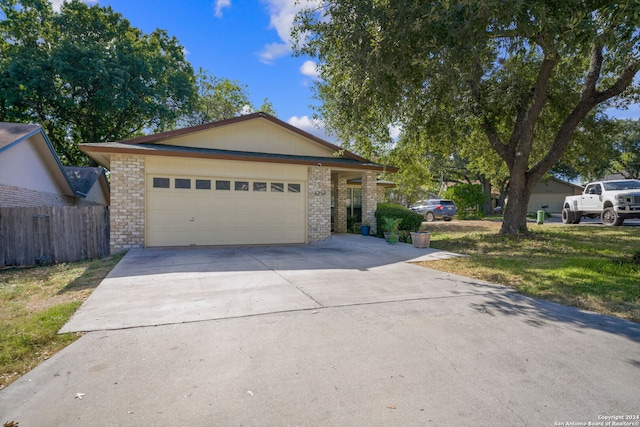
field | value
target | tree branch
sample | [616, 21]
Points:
[589, 99]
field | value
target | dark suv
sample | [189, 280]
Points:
[435, 209]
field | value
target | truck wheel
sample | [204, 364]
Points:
[568, 216]
[610, 217]
[577, 217]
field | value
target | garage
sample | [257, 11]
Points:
[186, 211]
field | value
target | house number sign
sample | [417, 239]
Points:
[320, 193]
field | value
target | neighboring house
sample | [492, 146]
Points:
[90, 183]
[252, 179]
[31, 173]
[549, 195]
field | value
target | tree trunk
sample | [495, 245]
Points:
[487, 209]
[515, 212]
[518, 195]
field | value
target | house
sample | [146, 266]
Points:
[31, 173]
[89, 182]
[549, 195]
[252, 179]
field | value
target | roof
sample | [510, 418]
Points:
[14, 133]
[157, 145]
[83, 178]
[210, 153]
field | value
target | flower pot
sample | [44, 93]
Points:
[420, 239]
[364, 229]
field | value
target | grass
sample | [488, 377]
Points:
[35, 303]
[591, 267]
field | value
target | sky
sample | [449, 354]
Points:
[246, 41]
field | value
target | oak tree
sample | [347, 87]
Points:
[514, 78]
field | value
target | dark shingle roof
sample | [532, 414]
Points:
[83, 178]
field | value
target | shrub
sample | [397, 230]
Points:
[410, 221]
[468, 199]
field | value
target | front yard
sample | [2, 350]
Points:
[588, 266]
[35, 303]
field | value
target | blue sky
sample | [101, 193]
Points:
[246, 41]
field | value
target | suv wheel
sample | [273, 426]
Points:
[429, 217]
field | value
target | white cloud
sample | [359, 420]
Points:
[273, 51]
[220, 5]
[57, 3]
[313, 126]
[281, 16]
[310, 68]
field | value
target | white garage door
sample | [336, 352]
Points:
[184, 211]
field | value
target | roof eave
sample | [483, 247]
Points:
[132, 149]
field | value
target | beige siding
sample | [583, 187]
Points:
[253, 136]
[31, 165]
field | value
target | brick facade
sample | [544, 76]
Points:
[340, 204]
[11, 196]
[369, 200]
[319, 193]
[127, 201]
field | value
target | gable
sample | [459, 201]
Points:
[257, 136]
[31, 164]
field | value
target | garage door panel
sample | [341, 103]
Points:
[183, 217]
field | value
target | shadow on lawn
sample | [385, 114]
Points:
[538, 313]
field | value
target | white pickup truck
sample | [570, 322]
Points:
[613, 201]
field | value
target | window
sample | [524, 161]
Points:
[161, 182]
[242, 186]
[223, 185]
[259, 186]
[183, 183]
[293, 188]
[203, 184]
[277, 187]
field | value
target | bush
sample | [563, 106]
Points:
[410, 221]
[468, 199]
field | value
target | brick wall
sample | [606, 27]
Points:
[127, 201]
[369, 199]
[340, 205]
[11, 196]
[319, 203]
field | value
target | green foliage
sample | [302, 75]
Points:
[510, 85]
[86, 75]
[409, 220]
[468, 198]
[351, 223]
[217, 99]
[627, 144]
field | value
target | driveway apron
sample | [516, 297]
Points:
[151, 287]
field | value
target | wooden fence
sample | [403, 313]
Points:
[53, 234]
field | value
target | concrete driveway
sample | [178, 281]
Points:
[335, 334]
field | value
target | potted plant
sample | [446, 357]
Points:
[391, 226]
[365, 228]
[420, 239]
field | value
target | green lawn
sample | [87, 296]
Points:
[35, 303]
[592, 267]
